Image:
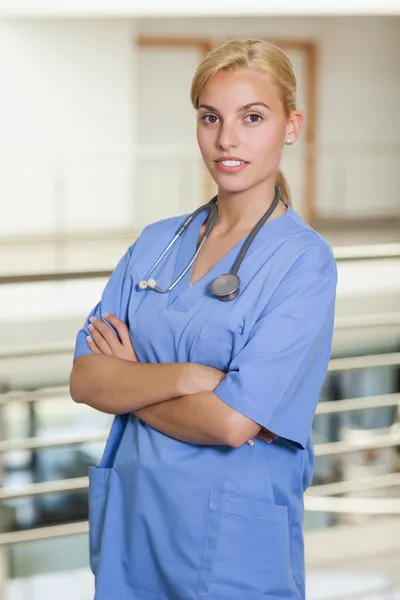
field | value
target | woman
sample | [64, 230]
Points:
[181, 507]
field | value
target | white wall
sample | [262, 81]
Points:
[67, 115]
[358, 133]
[118, 8]
[66, 122]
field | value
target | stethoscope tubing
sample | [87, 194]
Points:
[184, 226]
[232, 275]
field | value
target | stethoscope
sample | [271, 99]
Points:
[225, 287]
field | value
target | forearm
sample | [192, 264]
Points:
[200, 419]
[116, 386]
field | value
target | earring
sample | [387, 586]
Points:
[289, 142]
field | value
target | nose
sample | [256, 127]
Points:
[228, 137]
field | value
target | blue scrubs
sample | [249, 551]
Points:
[177, 521]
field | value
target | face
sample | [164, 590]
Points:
[241, 118]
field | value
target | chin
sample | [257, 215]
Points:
[232, 186]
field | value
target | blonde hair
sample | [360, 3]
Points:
[251, 54]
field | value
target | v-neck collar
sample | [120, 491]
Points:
[185, 295]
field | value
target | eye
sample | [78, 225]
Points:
[212, 119]
[254, 118]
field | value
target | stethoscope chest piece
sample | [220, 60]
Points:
[226, 287]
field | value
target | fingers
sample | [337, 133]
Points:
[113, 339]
[266, 436]
[100, 336]
[127, 349]
[271, 436]
[120, 327]
[92, 345]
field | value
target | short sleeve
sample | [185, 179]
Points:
[276, 378]
[114, 299]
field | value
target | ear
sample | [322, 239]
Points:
[293, 126]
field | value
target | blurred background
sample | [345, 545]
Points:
[97, 139]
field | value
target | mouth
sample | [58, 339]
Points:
[231, 165]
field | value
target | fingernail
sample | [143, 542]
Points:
[251, 442]
[106, 314]
[90, 327]
[89, 339]
[92, 319]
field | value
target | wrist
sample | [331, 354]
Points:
[187, 379]
[196, 378]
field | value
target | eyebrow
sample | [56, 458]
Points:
[242, 108]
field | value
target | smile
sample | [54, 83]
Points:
[230, 166]
[231, 163]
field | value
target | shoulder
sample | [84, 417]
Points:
[311, 249]
[161, 227]
[152, 233]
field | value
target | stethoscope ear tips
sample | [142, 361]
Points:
[143, 285]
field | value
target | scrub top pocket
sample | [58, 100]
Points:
[99, 480]
[217, 345]
[247, 552]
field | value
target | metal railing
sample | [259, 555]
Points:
[336, 364]
[319, 498]
[324, 449]
[342, 254]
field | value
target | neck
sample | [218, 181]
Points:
[240, 211]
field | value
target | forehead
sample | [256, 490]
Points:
[233, 89]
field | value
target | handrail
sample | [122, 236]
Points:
[53, 276]
[353, 404]
[44, 533]
[365, 506]
[368, 506]
[360, 362]
[318, 498]
[323, 449]
[367, 252]
[40, 443]
[74, 484]
[354, 485]
[369, 320]
[390, 359]
[43, 350]
[78, 484]
[323, 408]
[53, 393]
[341, 253]
[342, 447]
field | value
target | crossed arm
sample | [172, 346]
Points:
[177, 399]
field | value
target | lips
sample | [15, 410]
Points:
[231, 168]
[231, 158]
[231, 165]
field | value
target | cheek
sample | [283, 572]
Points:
[204, 140]
[268, 143]
[198, 136]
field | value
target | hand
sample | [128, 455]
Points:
[265, 435]
[201, 378]
[103, 340]
[206, 379]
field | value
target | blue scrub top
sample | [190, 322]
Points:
[176, 521]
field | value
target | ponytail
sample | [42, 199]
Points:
[283, 185]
